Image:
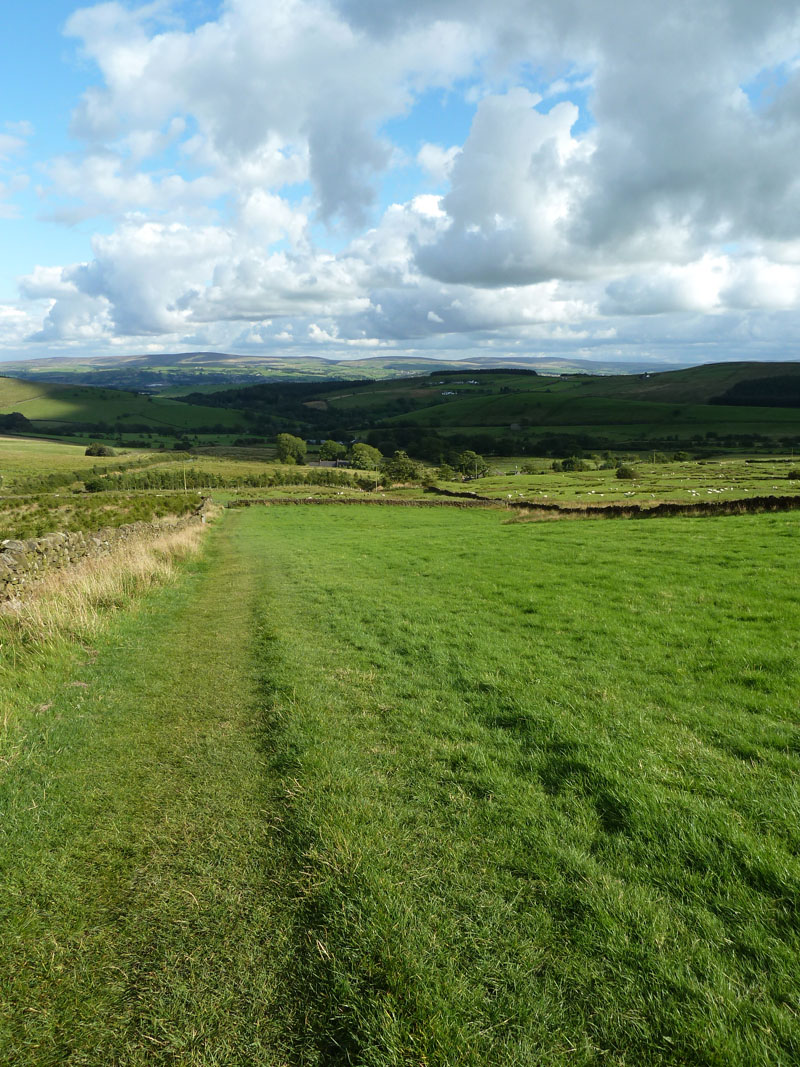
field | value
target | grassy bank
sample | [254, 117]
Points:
[137, 917]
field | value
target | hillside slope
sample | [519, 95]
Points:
[696, 385]
[50, 407]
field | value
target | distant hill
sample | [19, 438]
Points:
[512, 411]
[696, 385]
[189, 371]
[508, 411]
[781, 391]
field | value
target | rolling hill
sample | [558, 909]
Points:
[508, 410]
[512, 410]
[190, 370]
[54, 408]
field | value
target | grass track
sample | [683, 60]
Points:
[138, 922]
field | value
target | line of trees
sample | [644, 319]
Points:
[398, 467]
[293, 450]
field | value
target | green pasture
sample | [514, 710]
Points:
[392, 787]
[431, 389]
[33, 515]
[631, 407]
[379, 396]
[691, 386]
[50, 406]
[614, 411]
[230, 462]
[730, 478]
[22, 458]
[550, 817]
[576, 414]
[228, 467]
[184, 390]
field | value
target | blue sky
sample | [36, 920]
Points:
[40, 80]
[336, 178]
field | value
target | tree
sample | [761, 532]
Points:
[572, 463]
[98, 449]
[430, 448]
[332, 450]
[472, 465]
[626, 472]
[15, 422]
[291, 449]
[365, 457]
[399, 468]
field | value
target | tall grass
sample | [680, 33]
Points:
[47, 628]
[73, 602]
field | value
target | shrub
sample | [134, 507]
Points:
[575, 463]
[98, 449]
[626, 472]
[794, 474]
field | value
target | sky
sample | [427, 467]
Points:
[343, 178]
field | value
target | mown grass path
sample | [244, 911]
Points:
[137, 911]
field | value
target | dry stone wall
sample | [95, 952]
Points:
[23, 563]
[393, 502]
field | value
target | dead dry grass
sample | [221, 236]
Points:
[74, 602]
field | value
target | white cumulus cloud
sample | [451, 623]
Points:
[626, 174]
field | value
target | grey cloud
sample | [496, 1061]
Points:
[344, 158]
[677, 163]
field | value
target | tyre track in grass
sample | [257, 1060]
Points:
[144, 912]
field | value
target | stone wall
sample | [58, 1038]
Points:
[364, 501]
[24, 562]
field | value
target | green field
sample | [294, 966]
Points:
[33, 515]
[730, 478]
[619, 417]
[497, 409]
[53, 408]
[695, 385]
[384, 787]
[24, 458]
